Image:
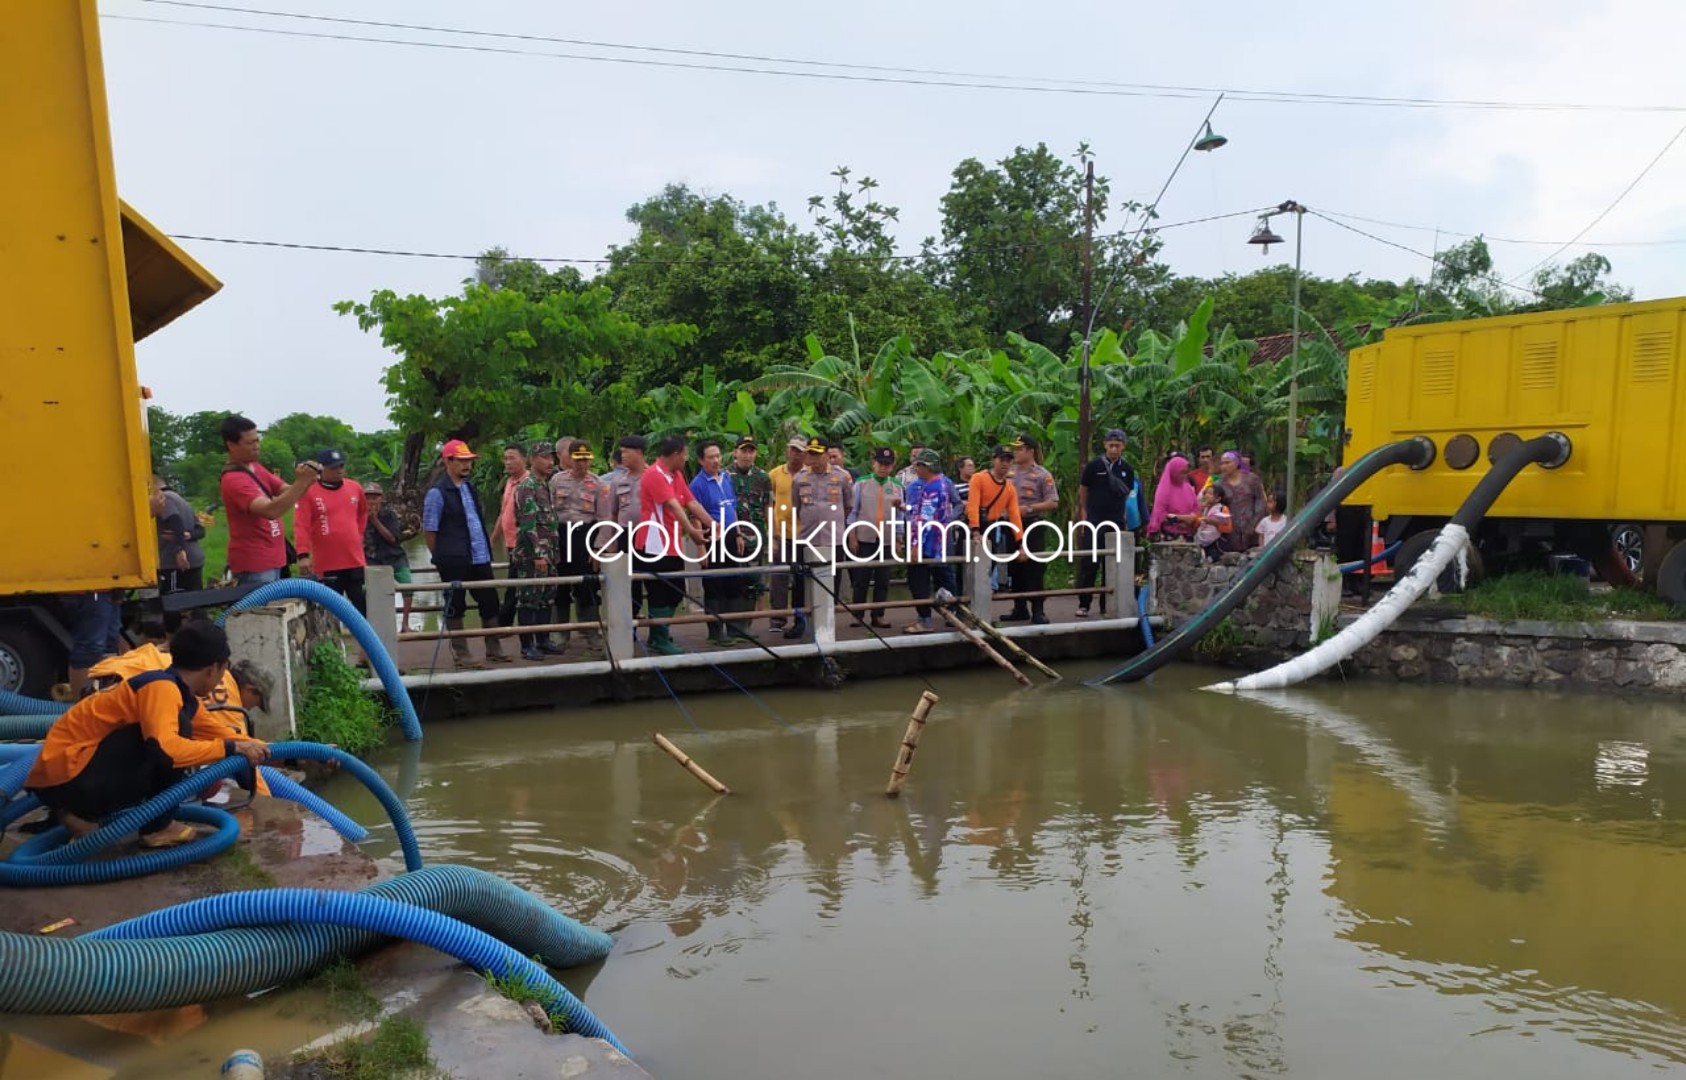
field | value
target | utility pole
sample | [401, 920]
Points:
[1084, 409]
[1294, 371]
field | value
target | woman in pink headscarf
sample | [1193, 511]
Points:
[1176, 505]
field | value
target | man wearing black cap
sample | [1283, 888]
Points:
[1037, 499]
[328, 530]
[582, 503]
[875, 516]
[625, 509]
[534, 552]
[118, 748]
[754, 489]
[1103, 491]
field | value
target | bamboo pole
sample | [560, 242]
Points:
[910, 743]
[970, 635]
[1004, 641]
[691, 767]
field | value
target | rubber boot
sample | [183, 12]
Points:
[716, 630]
[740, 629]
[494, 645]
[1038, 613]
[798, 627]
[529, 642]
[661, 641]
[459, 647]
[551, 646]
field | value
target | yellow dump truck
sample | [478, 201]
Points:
[83, 277]
[1611, 378]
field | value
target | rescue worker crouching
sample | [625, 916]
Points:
[123, 745]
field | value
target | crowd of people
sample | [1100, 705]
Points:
[558, 516]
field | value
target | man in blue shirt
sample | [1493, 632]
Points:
[930, 508]
[456, 535]
[712, 487]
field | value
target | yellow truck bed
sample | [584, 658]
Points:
[1608, 377]
[82, 277]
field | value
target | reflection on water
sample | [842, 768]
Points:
[1083, 883]
[1153, 881]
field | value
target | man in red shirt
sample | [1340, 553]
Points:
[668, 507]
[328, 530]
[256, 500]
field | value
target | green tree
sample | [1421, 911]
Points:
[739, 274]
[493, 360]
[862, 289]
[1580, 282]
[1015, 234]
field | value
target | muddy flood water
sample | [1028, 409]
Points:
[1146, 881]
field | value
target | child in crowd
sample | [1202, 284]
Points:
[1274, 520]
[1215, 520]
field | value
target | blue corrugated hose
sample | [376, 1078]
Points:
[343, 610]
[14, 773]
[282, 786]
[25, 726]
[42, 861]
[267, 907]
[1141, 617]
[72, 976]
[10, 752]
[17, 703]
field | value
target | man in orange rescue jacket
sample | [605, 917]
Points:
[121, 746]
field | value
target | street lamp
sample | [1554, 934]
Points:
[1264, 237]
[1205, 142]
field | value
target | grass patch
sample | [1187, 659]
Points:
[1221, 641]
[521, 990]
[236, 864]
[336, 709]
[1536, 595]
[398, 1049]
[344, 991]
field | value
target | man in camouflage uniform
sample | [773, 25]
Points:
[754, 490]
[534, 553]
[581, 501]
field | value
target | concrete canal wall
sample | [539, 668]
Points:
[1301, 604]
[1628, 657]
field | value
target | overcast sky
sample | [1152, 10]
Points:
[270, 137]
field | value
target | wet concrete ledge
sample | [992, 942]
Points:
[473, 1031]
[586, 682]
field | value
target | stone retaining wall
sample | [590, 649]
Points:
[1277, 616]
[1430, 647]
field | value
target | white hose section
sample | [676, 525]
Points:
[1448, 545]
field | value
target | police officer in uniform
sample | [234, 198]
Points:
[624, 508]
[1037, 499]
[581, 501]
[822, 495]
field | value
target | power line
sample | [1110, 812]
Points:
[1505, 239]
[1435, 258]
[1602, 214]
[847, 72]
[932, 256]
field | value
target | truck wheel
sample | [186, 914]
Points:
[28, 662]
[1416, 546]
[1671, 575]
